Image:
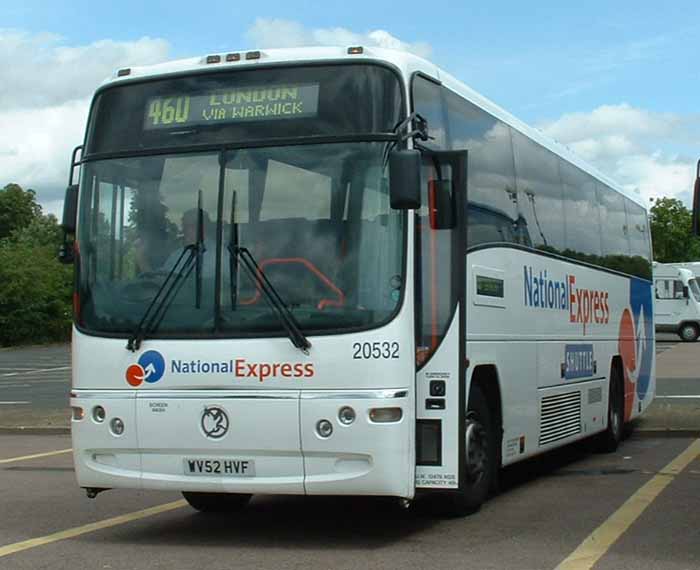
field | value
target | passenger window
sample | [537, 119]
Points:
[669, 289]
[427, 101]
[492, 200]
[640, 246]
[539, 193]
[583, 240]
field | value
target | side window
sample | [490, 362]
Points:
[669, 289]
[583, 241]
[638, 231]
[613, 229]
[492, 200]
[539, 193]
[428, 102]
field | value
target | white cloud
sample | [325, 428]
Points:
[636, 147]
[276, 33]
[44, 97]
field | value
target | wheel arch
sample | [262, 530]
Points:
[485, 376]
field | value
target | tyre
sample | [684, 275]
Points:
[689, 332]
[480, 456]
[611, 437]
[217, 502]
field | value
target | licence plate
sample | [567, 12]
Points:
[219, 467]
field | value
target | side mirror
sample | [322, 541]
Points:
[685, 292]
[696, 203]
[70, 209]
[404, 179]
[440, 204]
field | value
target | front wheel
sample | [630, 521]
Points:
[689, 332]
[480, 456]
[217, 502]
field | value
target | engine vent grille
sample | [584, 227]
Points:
[560, 417]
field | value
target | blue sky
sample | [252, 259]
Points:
[617, 81]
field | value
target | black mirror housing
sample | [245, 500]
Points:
[70, 209]
[404, 179]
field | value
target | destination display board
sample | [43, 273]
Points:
[258, 103]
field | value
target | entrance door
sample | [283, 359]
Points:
[440, 271]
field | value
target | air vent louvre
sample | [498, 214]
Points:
[560, 417]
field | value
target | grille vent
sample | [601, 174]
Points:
[560, 417]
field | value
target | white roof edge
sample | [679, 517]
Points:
[406, 62]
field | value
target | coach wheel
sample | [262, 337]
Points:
[480, 456]
[689, 332]
[217, 502]
[611, 437]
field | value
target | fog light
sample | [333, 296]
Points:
[385, 415]
[78, 413]
[346, 415]
[117, 426]
[324, 428]
[99, 414]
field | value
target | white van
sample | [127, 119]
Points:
[677, 304]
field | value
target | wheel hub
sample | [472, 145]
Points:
[476, 450]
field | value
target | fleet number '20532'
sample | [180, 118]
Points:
[375, 350]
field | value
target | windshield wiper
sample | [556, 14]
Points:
[190, 258]
[289, 322]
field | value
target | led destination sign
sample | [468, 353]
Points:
[232, 105]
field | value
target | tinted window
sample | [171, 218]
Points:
[581, 214]
[613, 222]
[539, 193]
[427, 101]
[669, 289]
[492, 207]
[640, 246]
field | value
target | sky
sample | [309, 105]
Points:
[618, 82]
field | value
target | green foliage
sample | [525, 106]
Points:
[17, 209]
[671, 232]
[35, 289]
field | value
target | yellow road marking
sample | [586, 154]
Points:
[602, 538]
[92, 527]
[36, 455]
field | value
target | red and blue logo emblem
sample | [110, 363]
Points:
[150, 368]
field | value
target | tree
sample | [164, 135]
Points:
[671, 232]
[17, 209]
[35, 289]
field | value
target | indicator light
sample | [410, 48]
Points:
[233, 57]
[356, 50]
[213, 58]
[385, 415]
[252, 55]
[78, 413]
[124, 72]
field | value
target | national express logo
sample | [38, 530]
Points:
[584, 306]
[150, 368]
[635, 345]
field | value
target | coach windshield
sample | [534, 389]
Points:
[287, 163]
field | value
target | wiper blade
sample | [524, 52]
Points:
[190, 258]
[289, 322]
[163, 298]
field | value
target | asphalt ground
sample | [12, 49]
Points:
[546, 510]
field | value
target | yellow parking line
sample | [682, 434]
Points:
[92, 527]
[36, 455]
[602, 538]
